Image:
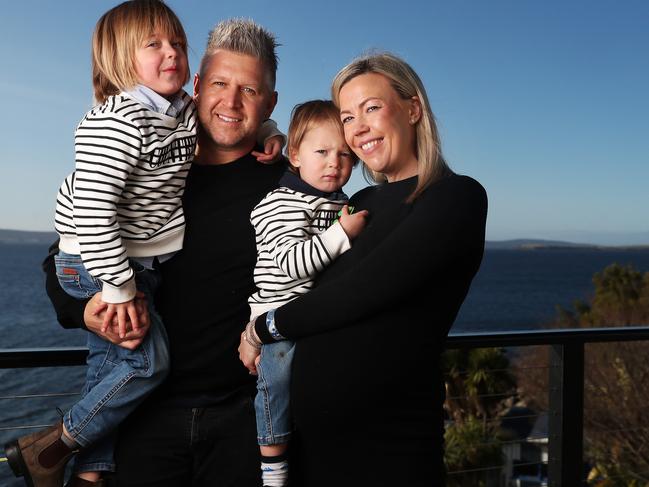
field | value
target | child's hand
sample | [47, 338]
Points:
[272, 150]
[123, 311]
[352, 224]
[142, 309]
[94, 316]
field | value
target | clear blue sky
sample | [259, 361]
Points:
[546, 103]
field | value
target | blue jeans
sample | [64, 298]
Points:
[117, 379]
[274, 424]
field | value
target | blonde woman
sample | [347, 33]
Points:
[366, 389]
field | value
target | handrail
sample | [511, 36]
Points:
[522, 338]
[15, 358]
[11, 358]
[566, 380]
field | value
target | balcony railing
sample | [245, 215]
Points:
[565, 437]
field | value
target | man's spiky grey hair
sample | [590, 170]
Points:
[244, 36]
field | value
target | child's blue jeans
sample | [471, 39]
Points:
[272, 409]
[117, 379]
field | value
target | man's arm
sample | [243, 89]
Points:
[69, 311]
[81, 313]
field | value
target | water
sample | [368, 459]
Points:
[520, 289]
[513, 290]
[28, 320]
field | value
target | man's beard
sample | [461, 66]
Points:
[227, 140]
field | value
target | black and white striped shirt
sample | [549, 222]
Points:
[124, 197]
[297, 236]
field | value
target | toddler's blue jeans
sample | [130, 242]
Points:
[272, 409]
[117, 379]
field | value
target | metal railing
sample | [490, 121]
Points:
[565, 376]
[565, 385]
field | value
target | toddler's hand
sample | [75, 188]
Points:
[142, 316]
[123, 311]
[352, 224]
[94, 317]
[272, 150]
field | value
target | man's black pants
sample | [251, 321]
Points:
[165, 446]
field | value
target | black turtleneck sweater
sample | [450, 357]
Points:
[366, 389]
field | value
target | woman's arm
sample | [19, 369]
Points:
[445, 226]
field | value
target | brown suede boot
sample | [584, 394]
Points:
[79, 482]
[40, 457]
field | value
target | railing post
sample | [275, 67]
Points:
[566, 415]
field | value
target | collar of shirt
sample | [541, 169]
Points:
[157, 103]
[293, 181]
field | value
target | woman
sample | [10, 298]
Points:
[366, 390]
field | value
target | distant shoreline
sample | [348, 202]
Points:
[13, 237]
[536, 244]
[26, 237]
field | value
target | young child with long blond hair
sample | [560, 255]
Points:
[118, 215]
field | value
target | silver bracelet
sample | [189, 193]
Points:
[250, 335]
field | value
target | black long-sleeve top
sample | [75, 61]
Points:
[366, 383]
[205, 287]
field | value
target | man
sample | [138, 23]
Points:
[198, 429]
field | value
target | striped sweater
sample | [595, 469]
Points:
[124, 197]
[297, 236]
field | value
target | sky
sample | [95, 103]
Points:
[546, 103]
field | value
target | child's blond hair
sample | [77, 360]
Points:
[305, 115]
[118, 34]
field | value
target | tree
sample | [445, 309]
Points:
[616, 382]
[478, 382]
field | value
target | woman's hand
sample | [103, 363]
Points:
[94, 318]
[248, 354]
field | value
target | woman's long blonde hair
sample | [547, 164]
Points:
[431, 165]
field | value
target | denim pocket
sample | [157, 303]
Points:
[73, 277]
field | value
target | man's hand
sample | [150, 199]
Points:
[352, 224]
[94, 318]
[272, 150]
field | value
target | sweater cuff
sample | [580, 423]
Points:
[121, 294]
[336, 240]
[267, 130]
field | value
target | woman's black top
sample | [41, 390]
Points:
[366, 389]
